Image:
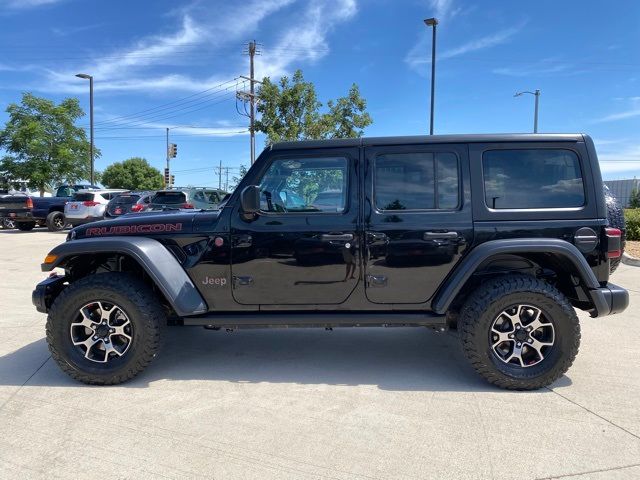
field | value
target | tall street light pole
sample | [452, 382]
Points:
[536, 94]
[432, 22]
[91, 158]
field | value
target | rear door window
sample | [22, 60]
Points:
[417, 181]
[169, 198]
[532, 179]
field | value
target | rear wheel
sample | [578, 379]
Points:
[8, 223]
[105, 329]
[25, 226]
[55, 221]
[519, 332]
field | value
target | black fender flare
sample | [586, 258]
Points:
[470, 263]
[156, 260]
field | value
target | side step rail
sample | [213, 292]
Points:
[316, 319]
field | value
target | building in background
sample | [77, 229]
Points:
[622, 189]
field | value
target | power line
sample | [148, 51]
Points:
[164, 105]
[148, 120]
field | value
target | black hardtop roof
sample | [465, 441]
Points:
[428, 139]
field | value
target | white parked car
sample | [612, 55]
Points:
[88, 205]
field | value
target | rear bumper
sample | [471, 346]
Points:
[19, 216]
[609, 300]
[81, 221]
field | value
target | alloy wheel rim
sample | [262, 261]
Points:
[521, 336]
[101, 331]
[58, 222]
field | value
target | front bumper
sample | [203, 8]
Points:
[608, 300]
[46, 292]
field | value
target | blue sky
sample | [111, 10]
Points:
[173, 64]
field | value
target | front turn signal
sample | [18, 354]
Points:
[50, 258]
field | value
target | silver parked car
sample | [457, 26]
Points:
[88, 205]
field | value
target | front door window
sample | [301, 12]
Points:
[305, 185]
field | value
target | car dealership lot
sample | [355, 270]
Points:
[349, 403]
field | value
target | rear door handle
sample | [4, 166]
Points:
[435, 235]
[337, 237]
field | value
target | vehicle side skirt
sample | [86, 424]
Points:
[316, 319]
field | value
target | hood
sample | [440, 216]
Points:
[140, 224]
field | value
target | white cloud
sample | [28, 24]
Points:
[131, 69]
[635, 112]
[632, 111]
[307, 39]
[416, 58]
[24, 4]
[544, 67]
[443, 9]
[618, 157]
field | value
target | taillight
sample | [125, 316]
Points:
[187, 205]
[29, 203]
[90, 204]
[614, 236]
[137, 208]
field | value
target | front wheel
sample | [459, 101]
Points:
[104, 329]
[519, 332]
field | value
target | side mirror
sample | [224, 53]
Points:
[250, 199]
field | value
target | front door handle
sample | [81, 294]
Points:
[337, 237]
[440, 235]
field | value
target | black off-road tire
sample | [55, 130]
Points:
[25, 226]
[615, 219]
[498, 294]
[140, 304]
[55, 221]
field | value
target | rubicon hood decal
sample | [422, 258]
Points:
[133, 229]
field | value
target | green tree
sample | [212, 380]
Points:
[634, 199]
[290, 110]
[236, 179]
[44, 146]
[133, 174]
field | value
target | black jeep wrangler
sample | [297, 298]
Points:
[497, 236]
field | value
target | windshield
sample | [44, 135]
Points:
[65, 191]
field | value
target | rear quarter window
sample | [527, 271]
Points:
[532, 179]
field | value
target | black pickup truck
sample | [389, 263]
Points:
[499, 237]
[28, 211]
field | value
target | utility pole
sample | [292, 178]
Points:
[252, 51]
[252, 103]
[220, 176]
[226, 184]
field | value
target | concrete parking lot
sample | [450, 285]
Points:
[310, 404]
